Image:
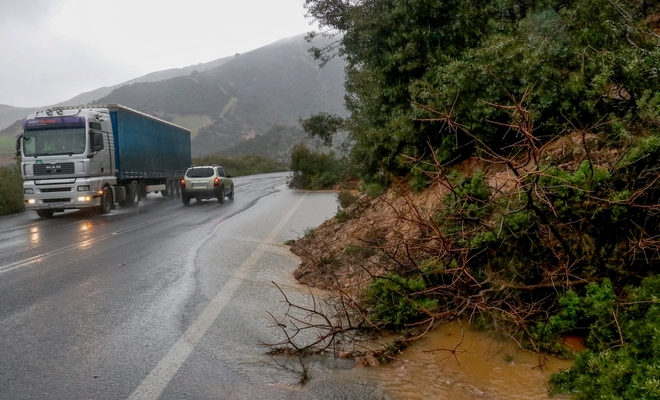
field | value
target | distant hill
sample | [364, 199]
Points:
[251, 101]
[274, 144]
[90, 97]
[9, 114]
[244, 97]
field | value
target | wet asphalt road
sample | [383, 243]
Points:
[162, 302]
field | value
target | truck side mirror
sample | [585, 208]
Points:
[18, 144]
[98, 141]
[95, 142]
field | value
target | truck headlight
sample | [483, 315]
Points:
[83, 188]
[28, 191]
[84, 198]
[30, 201]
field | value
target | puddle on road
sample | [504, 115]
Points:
[484, 368]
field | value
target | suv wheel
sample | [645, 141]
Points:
[221, 196]
[185, 200]
[230, 196]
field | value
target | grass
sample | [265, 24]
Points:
[7, 144]
[192, 122]
[230, 107]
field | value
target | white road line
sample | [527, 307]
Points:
[158, 379]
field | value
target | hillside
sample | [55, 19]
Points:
[245, 97]
[9, 114]
[89, 97]
[233, 101]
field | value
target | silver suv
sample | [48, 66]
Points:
[206, 182]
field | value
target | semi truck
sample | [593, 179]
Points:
[97, 156]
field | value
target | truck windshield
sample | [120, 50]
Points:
[53, 141]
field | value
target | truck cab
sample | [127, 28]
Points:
[67, 160]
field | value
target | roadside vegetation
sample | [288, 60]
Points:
[242, 165]
[11, 190]
[315, 170]
[535, 125]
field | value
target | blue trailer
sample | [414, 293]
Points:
[98, 156]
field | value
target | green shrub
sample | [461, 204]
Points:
[374, 189]
[11, 190]
[345, 198]
[314, 170]
[568, 191]
[395, 300]
[419, 178]
[359, 251]
[342, 215]
[351, 250]
[464, 206]
[469, 196]
[622, 360]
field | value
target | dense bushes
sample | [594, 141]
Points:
[623, 346]
[561, 100]
[315, 170]
[423, 73]
[11, 190]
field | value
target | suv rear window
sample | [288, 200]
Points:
[199, 173]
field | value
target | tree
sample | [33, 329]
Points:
[417, 68]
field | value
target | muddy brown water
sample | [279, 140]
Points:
[481, 368]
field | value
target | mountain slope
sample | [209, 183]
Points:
[235, 101]
[244, 97]
[92, 96]
[10, 114]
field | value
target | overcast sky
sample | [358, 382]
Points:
[53, 50]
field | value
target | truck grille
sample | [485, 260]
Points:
[54, 169]
[51, 190]
[62, 200]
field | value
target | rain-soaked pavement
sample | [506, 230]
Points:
[172, 302]
[167, 302]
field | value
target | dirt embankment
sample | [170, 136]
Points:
[345, 252]
[349, 251]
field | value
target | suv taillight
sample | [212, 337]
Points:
[216, 182]
[183, 183]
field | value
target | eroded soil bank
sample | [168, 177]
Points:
[451, 362]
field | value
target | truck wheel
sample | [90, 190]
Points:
[230, 196]
[45, 213]
[221, 196]
[185, 200]
[171, 189]
[106, 201]
[132, 196]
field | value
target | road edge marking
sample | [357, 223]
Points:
[155, 383]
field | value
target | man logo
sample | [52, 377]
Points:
[53, 167]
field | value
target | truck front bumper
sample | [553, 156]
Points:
[60, 197]
[61, 204]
